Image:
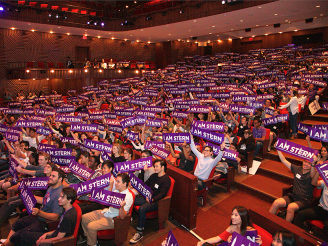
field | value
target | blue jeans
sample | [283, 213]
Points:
[145, 207]
[293, 122]
[257, 148]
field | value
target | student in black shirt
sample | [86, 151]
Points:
[67, 221]
[160, 184]
[186, 157]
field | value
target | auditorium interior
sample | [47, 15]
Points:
[68, 48]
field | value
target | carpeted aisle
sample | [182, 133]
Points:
[212, 222]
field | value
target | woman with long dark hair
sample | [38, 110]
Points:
[240, 223]
[283, 238]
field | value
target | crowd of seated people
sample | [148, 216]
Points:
[220, 113]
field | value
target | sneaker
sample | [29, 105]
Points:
[269, 149]
[13, 213]
[136, 238]
[81, 239]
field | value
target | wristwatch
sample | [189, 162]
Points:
[312, 165]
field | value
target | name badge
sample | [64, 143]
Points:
[156, 186]
[298, 176]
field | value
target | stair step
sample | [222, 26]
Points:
[263, 187]
[314, 122]
[276, 170]
[273, 155]
[318, 117]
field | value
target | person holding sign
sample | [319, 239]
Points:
[160, 184]
[67, 221]
[26, 231]
[319, 212]
[205, 162]
[240, 223]
[302, 189]
[293, 112]
[103, 219]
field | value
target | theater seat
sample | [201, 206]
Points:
[266, 237]
[121, 228]
[41, 65]
[265, 142]
[30, 64]
[163, 208]
[51, 65]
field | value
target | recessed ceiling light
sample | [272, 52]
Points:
[86, 35]
[241, 20]
[33, 78]
[230, 39]
[219, 41]
[257, 25]
[259, 7]
[169, 34]
[275, 14]
[127, 6]
[195, 42]
[253, 36]
[137, 41]
[266, 25]
[208, 41]
[179, 39]
[280, 32]
[33, 30]
[218, 35]
[113, 38]
[141, 30]
[286, 20]
[187, 41]
[240, 37]
[210, 33]
[59, 27]
[295, 30]
[266, 34]
[125, 39]
[98, 36]
[195, 20]
[67, 33]
[318, 6]
[148, 42]
[213, 26]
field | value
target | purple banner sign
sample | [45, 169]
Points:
[127, 166]
[87, 186]
[58, 152]
[241, 109]
[148, 144]
[45, 112]
[132, 121]
[256, 104]
[97, 145]
[62, 160]
[243, 98]
[43, 131]
[208, 135]
[73, 119]
[13, 111]
[162, 153]
[69, 140]
[107, 198]
[275, 119]
[199, 109]
[42, 146]
[294, 149]
[145, 113]
[315, 82]
[269, 111]
[171, 240]
[12, 137]
[40, 183]
[267, 85]
[83, 127]
[176, 137]
[265, 97]
[28, 199]
[153, 109]
[65, 109]
[28, 123]
[210, 126]
[318, 134]
[155, 123]
[80, 170]
[138, 102]
[239, 240]
[3, 128]
[323, 171]
[179, 114]
[132, 135]
[140, 186]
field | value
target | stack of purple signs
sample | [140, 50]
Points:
[87, 186]
[127, 166]
[171, 240]
[176, 137]
[294, 149]
[107, 198]
[39, 183]
[80, 170]
[28, 199]
[162, 153]
[43, 131]
[211, 126]
[140, 186]
[323, 171]
[207, 135]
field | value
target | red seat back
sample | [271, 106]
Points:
[30, 64]
[41, 65]
[51, 65]
[60, 65]
[169, 193]
[265, 236]
[78, 220]
[134, 197]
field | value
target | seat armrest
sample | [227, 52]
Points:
[265, 147]
[231, 175]
[164, 209]
[52, 225]
[250, 158]
[65, 241]
[121, 228]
